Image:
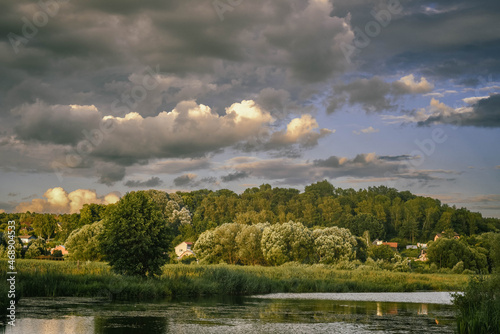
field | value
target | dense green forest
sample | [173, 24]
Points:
[386, 213]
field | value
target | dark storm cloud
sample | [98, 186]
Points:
[440, 39]
[484, 113]
[375, 94]
[277, 53]
[55, 124]
[154, 181]
[185, 180]
[109, 174]
[234, 176]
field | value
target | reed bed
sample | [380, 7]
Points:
[38, 278]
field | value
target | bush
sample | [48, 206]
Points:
[383, 252]
[479, 306]
[458, 268]
[57, 253]
[188, 259]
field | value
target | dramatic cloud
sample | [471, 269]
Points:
[482, 112]
[375, 94]
[123, 92]
[110, 173]
[234, 176]
[185, 180]
[190, 130]
[364, 167]
[57, 200]
[299, 130]
[55, 124]
[154, 181]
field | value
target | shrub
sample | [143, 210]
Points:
[458, 268]
[479, 307]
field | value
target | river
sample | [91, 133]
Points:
[426, 312]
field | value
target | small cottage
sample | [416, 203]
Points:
[25, 239]
[59, 248]
[393, 245]
[184, 249]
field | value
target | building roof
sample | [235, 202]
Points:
[26, 236]
[185, 242]
[391, 244]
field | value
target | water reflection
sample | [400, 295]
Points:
[229, 315]
[129, 325]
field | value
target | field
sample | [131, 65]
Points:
[38, 278]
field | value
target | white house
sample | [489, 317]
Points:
[27, 238]
[184, 249]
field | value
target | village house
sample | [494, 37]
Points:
[393, 245]
[25, 239]
[444, 234]
[184, 249]
[59, 248]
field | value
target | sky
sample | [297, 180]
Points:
[99, 98]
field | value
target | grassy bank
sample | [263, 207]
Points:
[53, 279]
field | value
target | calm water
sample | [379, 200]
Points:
[278, 313]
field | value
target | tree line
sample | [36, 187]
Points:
[317, 218]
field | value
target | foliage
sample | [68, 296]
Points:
[446, 253]
[36, 248]
[249, 244]
[382, 252]
[385, 213]
[57, 253]
[333, 244]
[91, 213]
[286, 242]
[95, 279]
[45, 225]
[136, 236]
[204, 247]
[366, 222]
[479, 307]
[85, 243]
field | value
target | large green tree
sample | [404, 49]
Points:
[45, 225]
[248, 241]
[286, 242]
[136, 236]
[84, 243]
[446, 253]
[334, 244]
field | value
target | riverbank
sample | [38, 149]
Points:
[38, 278]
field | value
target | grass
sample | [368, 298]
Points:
[38, 278]
[479, 307]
